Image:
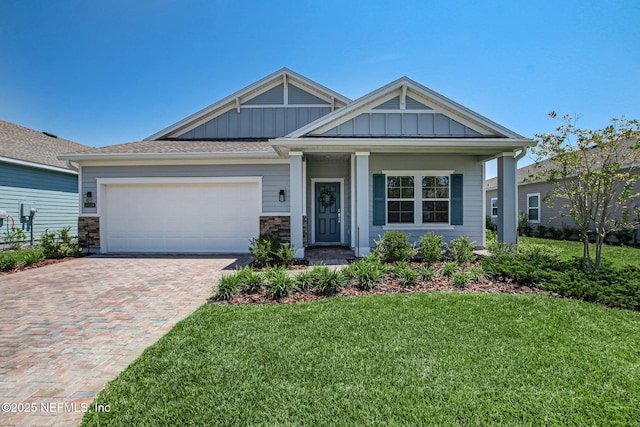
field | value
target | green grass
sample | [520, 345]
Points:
[404, 359]
[12, 259]
[618, 256]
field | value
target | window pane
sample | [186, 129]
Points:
[442, 193]
[533, 214]
[407, 181]
[443, 181]
[400, 212]
[435, 212]
[407, 193]
[393, 193]
[533, 201]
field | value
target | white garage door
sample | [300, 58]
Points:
[180, 218]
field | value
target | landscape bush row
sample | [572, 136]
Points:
[53, 245]
[622, 236]
[391, 257]
[540, 265]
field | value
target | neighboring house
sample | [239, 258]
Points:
[32, 177]
[291, 157]
[531, 200]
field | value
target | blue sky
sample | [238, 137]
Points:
[106, 72]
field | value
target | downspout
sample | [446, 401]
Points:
[521, 154]
[72, 166]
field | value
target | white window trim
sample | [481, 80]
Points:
[529, 195]
[417, 201]
[491, 204]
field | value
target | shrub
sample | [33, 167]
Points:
[403, 272]
[568, 232]
[624, 235]
[58, 244]
[8, 261]
[556, 233]
[539, 254]
[263, 249]
[460, 279]
[279, 284]
[366, 272]
[285, 254]
[228, 287]
[430, 247]
[490, 225]
[328, 281]
[541, 231]
[394, 246]
[461, 250]
[250, 281]
[524, 226]
[304, 281]
[14, 238]
[450, 268]
[427, 273]
[475, 273]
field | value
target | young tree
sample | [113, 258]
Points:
[593, 171]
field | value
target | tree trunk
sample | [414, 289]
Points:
[587, 264]
[599, 241]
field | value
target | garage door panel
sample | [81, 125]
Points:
[212, 217]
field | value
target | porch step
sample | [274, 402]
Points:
[328, 255]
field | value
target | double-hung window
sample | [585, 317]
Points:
[418, 198]
[533, 207]
[494, 206]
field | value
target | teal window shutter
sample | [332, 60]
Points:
[456, 199]
[379, 199]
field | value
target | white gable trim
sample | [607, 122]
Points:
[247, 93]
[439, 104]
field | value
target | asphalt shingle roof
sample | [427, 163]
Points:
[21, 143]
[182, 146]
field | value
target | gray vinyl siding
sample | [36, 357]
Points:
[402, 124]
[394, 104]
[274, 178]
[473, 182]
[328, 168]
[257, 122]
[272, 96]
[53, 194]
[298, 96]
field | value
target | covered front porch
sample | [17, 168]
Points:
[332, 198]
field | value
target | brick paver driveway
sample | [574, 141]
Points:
[67, 329]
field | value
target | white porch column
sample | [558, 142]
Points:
[296, 198]
[507, 199]
[362, 204]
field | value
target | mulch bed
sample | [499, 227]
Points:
[391, 285]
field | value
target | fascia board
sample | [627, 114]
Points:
[37, 165]
[168, 156]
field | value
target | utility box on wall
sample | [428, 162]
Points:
[27, 211]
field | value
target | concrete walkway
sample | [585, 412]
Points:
[67, 329]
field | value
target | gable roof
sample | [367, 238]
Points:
[23, 145]
[248, 96]
[410, 92]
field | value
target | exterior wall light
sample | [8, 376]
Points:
[281, 195]
[88, 200]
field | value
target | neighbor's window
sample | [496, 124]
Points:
[400, 199]
[494, 207]
[435, 199]
[533, 207]
[417, 199]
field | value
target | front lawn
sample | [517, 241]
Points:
[405, 359]
[615, 255]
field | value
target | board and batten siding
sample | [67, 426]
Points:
[53, 194]
[473, 181]
[274, 178]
